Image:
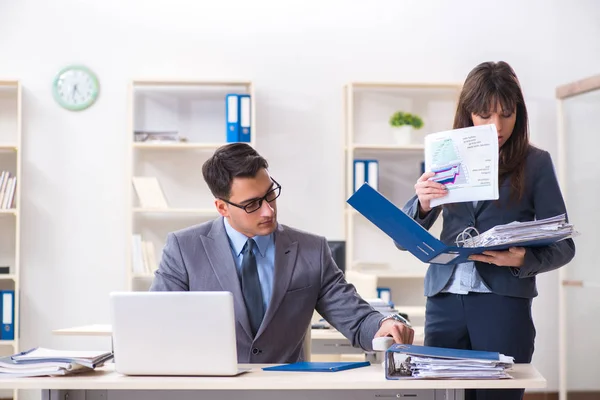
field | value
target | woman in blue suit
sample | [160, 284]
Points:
[485, 304]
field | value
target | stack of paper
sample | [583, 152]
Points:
[519, 232]
[422, 362]
[40, 362]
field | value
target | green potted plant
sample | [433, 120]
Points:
[403, 124]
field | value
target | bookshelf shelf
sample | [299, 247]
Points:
[168, 84]
[195, 211]
[368, 106]
[389, 147]
[182, 123]
[178, 146]
[8, 147]
[393, 274]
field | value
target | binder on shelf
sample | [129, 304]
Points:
[366, 171]
[307, 366]
[232, 116]
[8, 315]
[407, 233]
[245, 107]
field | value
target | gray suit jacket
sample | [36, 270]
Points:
[306, 278]
[542, 199]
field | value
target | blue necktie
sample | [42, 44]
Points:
[251, 287]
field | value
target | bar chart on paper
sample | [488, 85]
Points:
[447, 165]
[466, 162]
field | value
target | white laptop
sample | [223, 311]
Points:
[174, 333]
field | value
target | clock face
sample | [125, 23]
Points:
[75, 88]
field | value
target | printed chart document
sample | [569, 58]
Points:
[465, 161]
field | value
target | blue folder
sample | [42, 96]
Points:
[406, 232]
[441, 352]
[306, 366]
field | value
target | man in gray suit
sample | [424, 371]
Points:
[278, 275]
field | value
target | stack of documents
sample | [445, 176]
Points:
[518, 232]
[41, 362]
[422, 362]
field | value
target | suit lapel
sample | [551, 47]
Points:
[285, 261]
[221, 260]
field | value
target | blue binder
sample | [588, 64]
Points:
[8, 315]
[306, 366]
[406, 232]
[441, 352]
[245, 108]
[232, 118]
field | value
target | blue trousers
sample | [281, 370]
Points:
[482, 321]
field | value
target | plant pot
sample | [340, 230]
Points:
[402, 135]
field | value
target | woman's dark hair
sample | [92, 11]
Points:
[229, 162]
[486, 85]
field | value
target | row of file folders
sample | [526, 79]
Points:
[238, 113]
[367, 171]
[7, 302]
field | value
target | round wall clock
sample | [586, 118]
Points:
[75, 88]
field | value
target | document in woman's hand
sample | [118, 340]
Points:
[466, 162]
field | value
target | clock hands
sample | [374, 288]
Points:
[74, 91]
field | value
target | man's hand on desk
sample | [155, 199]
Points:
[400, 332]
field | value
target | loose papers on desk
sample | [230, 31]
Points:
[423, 362]
[41, 362]
[466, 162]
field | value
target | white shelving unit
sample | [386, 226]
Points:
[579, 282]
[10, 219]
[196, 111]
[368, 135]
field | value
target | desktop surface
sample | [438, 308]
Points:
[367, 378]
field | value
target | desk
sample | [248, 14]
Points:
[331, 341]
[323, 341]
[361, 383]
[86, 330]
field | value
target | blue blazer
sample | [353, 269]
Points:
[541, 199]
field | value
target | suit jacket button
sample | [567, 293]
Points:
[255, 351]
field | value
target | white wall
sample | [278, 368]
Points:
[299, 54]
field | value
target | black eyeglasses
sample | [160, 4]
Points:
[256, 204]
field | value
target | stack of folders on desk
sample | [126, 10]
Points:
[404, 361]
[42, 362]
[518, 232]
